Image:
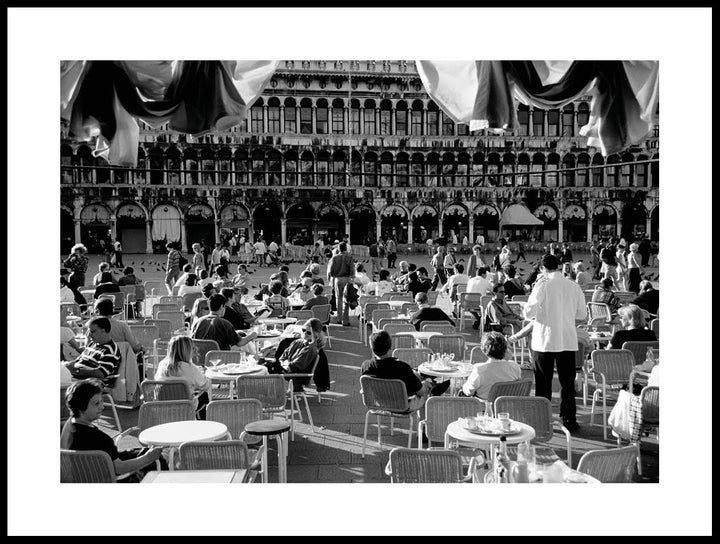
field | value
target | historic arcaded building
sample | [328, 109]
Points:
[359, 148]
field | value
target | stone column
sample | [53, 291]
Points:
[283, 231]
[618, 225]
[183, 236]
[410, 231]
[265, 118]
[78, 232]
[217, 230]
[314, 119]
[282, 118]
[589, 227]
[560, 228]
[148, 237]
[471, 229]
[113, 229]
[378, 228]
[347, 227]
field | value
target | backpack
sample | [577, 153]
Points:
[351, 295]
[183, 261]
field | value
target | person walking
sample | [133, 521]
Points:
[520, 251]
[77, 263]
[340, 272]
[437, 263]
[391, 250]
[260, 250]
[117, 258]
[172, 267]
[555, 304]
[634, 269]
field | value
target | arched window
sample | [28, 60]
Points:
[385, 117]
[339, 168]
[641, 171]
[321, 117]
[306, 168]
[355, 170]
[537, 167]
[508, 168]
[493, 168]
[568, 175]
[386, 170]
[581, 177]
[401, 118]
[369, 125]
[597, 173]
[583, 115]
[551, 175]
[290, 116]
[538, 119]
[207, 164]
[225, 163]
[477, 169]
[655, 171]
[611, 172]
[433, 118]
[416, 170]
[416, 118]
[274, 167]
[338, 116]
[401, 170]
[463, 169]
[448, 170]
[241, 166]
[568, 121]
[174, 163]
[256, 116]
[523, 168]
[523, 116]
[274, 115]
[370, 169]
[448, 125]
[291, 166]
[354, 116]
[553, 123]
[306, 116]
[323, 167]
[433, 166]
[258, 167]
[626, 170]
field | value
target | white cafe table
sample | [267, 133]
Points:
[420, 336]
[229, 375]
[456, 370]
[195, 477]
[396, 304]
[171, 435]
[278, 321]
[457, 430]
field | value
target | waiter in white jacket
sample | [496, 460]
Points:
[556, 303]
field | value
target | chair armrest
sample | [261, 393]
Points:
[420, 428]
[388, 469]
[125, 433]
[470, 471]
[568, 439]
[256, 460]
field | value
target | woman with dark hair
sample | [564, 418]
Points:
[177, 365]
[191, 285]
[106, 285]
[605, 294]
[77, 263]
[496, 369]
[84, 400]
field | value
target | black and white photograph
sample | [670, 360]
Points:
[288, 267]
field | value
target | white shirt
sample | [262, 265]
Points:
[66, 294]
[484, 375]
[259, 248]
[555, 303]
[187, 289]
[273, 247]
[480, 239]
[478, 284]
[455, 279]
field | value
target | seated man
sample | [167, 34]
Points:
[513, 284]
[649, 298]
[299, 356]
[418, 281]
[480, 283]
[495, 369]
[318, 298]
[102, 267]
[383, 365]
[186, 269]
[119, 330]
[101, 356]
[499, 315]
[458, 278]
[107, 285]
[215, 327]
[427, 312]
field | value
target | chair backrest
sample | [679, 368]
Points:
[227, 357]
[520, 298]
[269, 390]
[409, 308]
[66, 309]
[650, 405]
[516, 307]
[164, 411]
[448, 343]
[235, 414]
[160, 346]
[380, 323]
[444, 328]
[370, 307]
[614, 364]
[403, 341]
[146, 335]
[534, 411]
[412, 356]
[156, 288]
[386, 296]
[516, 388]
[477, 355]
[401, 296]
[157, 307]
[625, 297]
[188, 299]
[219, 455]
[381, 313]
[301, 315]
[614, 465]
[639, 349]
[443, 410]
[470, 300]
[432, 297]
[171, 299]
[176, 318]
[414, 466]
[154, 390]
[165, 326]
[655, 327]
[597, 310]
[394, 326]
[86, 467]
[322, 312]
[365, 299]
[203, 346]
[382, 395]
[424, 323]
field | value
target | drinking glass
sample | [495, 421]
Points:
[504, 418]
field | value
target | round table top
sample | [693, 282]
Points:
[462, 370]
[422, 335]
[396, 303]
[218, 375]
[177, 432]
[278, 320]
[458, 431]
[266, 427]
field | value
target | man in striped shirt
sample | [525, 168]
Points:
[101, 356]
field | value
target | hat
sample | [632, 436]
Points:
[64, 271]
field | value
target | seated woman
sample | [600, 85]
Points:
[106, 285]
[298, 355]
[315, 270]
[633, 321]
[177, 365]
[498, 313]
[382, 286]
[582, 278]
[200, 308]
[276, 302]
[205, 278]
[221, 278]
[304, 290]
[495, 369]
[191, 285]
[241, 279]
[605, 294]
[85, 402]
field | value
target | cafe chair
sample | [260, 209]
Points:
[386, 296]
[366, 317]
[407, 297]
[235, 414]
[227, 357]
[153, 390]
[441, 466]
[188, 299]
[146, 336]
[432, 297]
[639, 349]
[404, 341]
[515, 388]
[412, 356]
[409, 308]
[448, 343]
[157, 307]
[221, 455]
[86, 467]
[599, 316]
[322, 312]
[155, 288]
[380, 323]
[301, 315]
[477, 355]
[609, 371]
[171, 299]
[614, 465]
[165, 326]
[269, 389]
[650, 417]
[442, 328]
[625, 297]
[303, 378]
[520, 298]
[655, 327]
[393, 327]
[203, 346]
[466, 303]
[385, 398]
[177, 320]
[156, 413]
[536, 412]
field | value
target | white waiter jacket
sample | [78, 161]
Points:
[555, 303]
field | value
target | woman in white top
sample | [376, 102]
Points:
[496, 369]
[177, 366]
[621, 267]
[635, 269]
[191, 285]
[382, 286]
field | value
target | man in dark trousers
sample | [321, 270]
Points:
[340, 271]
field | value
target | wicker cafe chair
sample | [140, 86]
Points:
[301, 315]
[448, 343]
[615, 465]
[516, 388]
[441, 466]
[412, 356]
[394, 327]
[650, 411]
[86, 467]
[404, 341]
[322, 312]
[610, 370]
[154, 390]
[146, 336]
[221, 455]
[235, 414]
[169, 299]
[157, 307]
[203, 346]
[443, 328]
[366, 316]
[477, 355]
[270, 390]
[300, 393]
[165, 326]
[385, 398]
[536, 412]
[467, 302]
[639, 349]
[177, 320]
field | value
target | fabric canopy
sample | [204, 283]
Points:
[102, 100]
[517, 214]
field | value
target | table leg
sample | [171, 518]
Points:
[171, 459]
[282, 467]
[265, 475]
